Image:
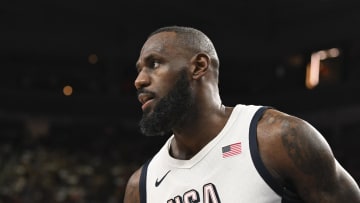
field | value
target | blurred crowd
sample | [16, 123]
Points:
[67, 166]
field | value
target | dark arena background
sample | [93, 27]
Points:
[68, 108]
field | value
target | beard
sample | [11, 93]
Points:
[170, 111]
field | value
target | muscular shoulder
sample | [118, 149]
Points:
[277, 123]
[132, 188]
[289, 144]
[298, 155]
[289, 141]
[293, 138]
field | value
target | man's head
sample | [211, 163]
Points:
[192, 39]
[175, 66]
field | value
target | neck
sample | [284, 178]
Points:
[198, 130]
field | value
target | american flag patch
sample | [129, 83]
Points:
[231, 150]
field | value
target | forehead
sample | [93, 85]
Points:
[159, 43]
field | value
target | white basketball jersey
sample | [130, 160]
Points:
[228, 169]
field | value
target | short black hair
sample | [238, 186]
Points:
[193, 39]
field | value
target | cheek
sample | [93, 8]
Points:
[163, 88]
[163, 82]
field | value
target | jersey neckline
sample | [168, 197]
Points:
[179, 163]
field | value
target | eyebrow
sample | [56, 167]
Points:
[137, 64]
[145, 59]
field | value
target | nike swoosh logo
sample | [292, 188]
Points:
[157, 182]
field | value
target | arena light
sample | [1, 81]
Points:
[67, 90]
[320, 66]
[312, 71]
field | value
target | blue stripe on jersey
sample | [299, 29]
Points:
[142, 182]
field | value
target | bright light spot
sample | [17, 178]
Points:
[322, 55]
[313, 68]
[67, 90]
[334, 52]
[312, 71]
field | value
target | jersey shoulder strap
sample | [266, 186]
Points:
[142, 181]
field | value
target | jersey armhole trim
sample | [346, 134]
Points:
[255, 155]
[287, 195]
[142, 182]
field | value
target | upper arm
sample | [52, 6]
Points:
[300, 155]
[132, 188]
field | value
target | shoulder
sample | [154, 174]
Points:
[132, 194]
[277, 126]
[299, 156]
[288, 143]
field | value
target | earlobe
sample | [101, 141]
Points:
[201, 64]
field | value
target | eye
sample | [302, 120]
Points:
[154, 64]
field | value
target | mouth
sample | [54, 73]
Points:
[145, 99]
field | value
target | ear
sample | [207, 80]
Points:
[200, 63]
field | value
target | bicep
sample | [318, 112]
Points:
[132, 188]
[347, 188]
[314, 171]
[299, 157]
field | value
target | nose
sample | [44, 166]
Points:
[142, 80]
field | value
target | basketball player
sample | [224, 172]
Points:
[217, 153]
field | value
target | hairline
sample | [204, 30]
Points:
[192, 39]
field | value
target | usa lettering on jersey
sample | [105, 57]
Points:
[210, 195]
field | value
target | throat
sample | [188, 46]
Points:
[182, 154]
[199, 132]
[186, 148]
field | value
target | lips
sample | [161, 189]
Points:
[145, 99]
